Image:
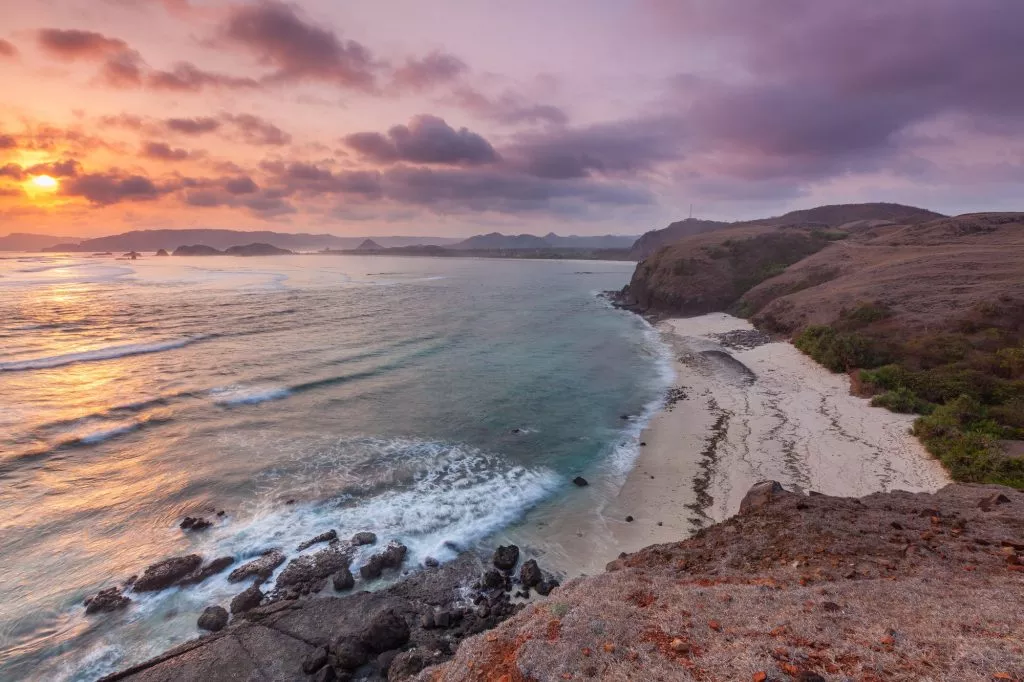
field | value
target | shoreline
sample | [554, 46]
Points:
[745, 408]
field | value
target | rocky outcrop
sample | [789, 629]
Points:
[165, 573]
[261, 567]
[392, 557]
[196, 250]
[893, 586]
[308, 573]
[213, 619]
[256, 250]
[329, 536]
[106, 600]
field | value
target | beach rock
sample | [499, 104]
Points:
[323, 537]
[195, 523]
[580, 481]
[162, 252]
[545, 587]
[315, 661]
[992, 501]
[629, 519]
[308, 573]
[209, 570]
[343, 579]
[167, 572]
[386, 631]
[431, 562]
[392, 557]
[327, 674]
[246, 600]
[506, 557]
[408, 663]
[761, 494]
[213, 618]
[364, 538]
[493, 580]
[106, 601]
[529, 574]
[262, 567]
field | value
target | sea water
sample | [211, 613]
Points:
[439, 402]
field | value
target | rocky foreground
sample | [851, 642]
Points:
[893, 586]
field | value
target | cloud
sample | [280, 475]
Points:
[310, 179]
[257, 131]
[74, 44]
[241, 185]
[427, 139]
[12, 171]
[509, 108]
[163, 152]
[297, 49]
[8, 142]
[187, 77]
[7, 49]
[68, 168]
[193, 126]
[617, 148]
[113, 186]
[437, 68]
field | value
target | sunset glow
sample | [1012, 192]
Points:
[45, 182]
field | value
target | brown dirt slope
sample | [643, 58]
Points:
[893, 587]
[926, 274]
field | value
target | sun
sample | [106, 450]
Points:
[45, 182]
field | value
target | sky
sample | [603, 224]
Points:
[456, 117]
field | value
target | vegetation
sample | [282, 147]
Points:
[967, 382]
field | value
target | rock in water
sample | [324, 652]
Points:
[106, 600]
[197, 523]
[307, 573]
[761, 494]
[506, 558]
[364, 538]
[213, 618]
[529, 574]
[323, 537]
[391, 557]
[210, 569]
[167, 572]
[343, 579]
[263, 567]
[580, 481]
[247, 600]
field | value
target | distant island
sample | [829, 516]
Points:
[247, 250]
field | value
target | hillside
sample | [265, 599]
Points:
[154, 240]
[495, 241]
[651, 241]
[23, 241]
[852, 215]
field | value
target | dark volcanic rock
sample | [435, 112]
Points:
[247, 600]
[580, 481]
[364, 538]
[408, 663]
[323, 537]
[308, 573]
[204, 572]
[392, 557]
[315, 661]
[167, 572]
[761, 494]
[262, 567]
[106, 600]
[343, 579]
[506, 557]
[195, 523]
[213, 618]
[529, 574]
[544, 587]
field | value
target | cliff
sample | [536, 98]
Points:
[894, 586]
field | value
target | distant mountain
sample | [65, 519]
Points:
[496, 240]
[169, 240]
[257, 250]
[197, 250]
[23, 241]
[651, 241]
[369, 245]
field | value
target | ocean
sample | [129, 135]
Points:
[446, 403]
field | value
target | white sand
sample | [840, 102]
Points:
[791, 421]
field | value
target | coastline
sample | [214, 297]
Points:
[745, 409]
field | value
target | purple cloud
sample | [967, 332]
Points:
[75, 44]
[164, 152]
[427, 139]
[298, 49]
[7, 49]
[193, 126]
[187, 77]
[509, 108]
[437, 68]
[112, 187]
[257, 131]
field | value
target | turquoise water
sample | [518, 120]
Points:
[429, 400]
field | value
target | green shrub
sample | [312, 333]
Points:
[865, 314]
[902, 400]
[838, 351]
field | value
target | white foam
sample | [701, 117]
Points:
[108, 433]
[108, 353]
[248, 395]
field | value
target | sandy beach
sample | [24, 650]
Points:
[744, 414]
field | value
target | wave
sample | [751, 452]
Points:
[106, 434]
[241, 395]
[107, 353]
